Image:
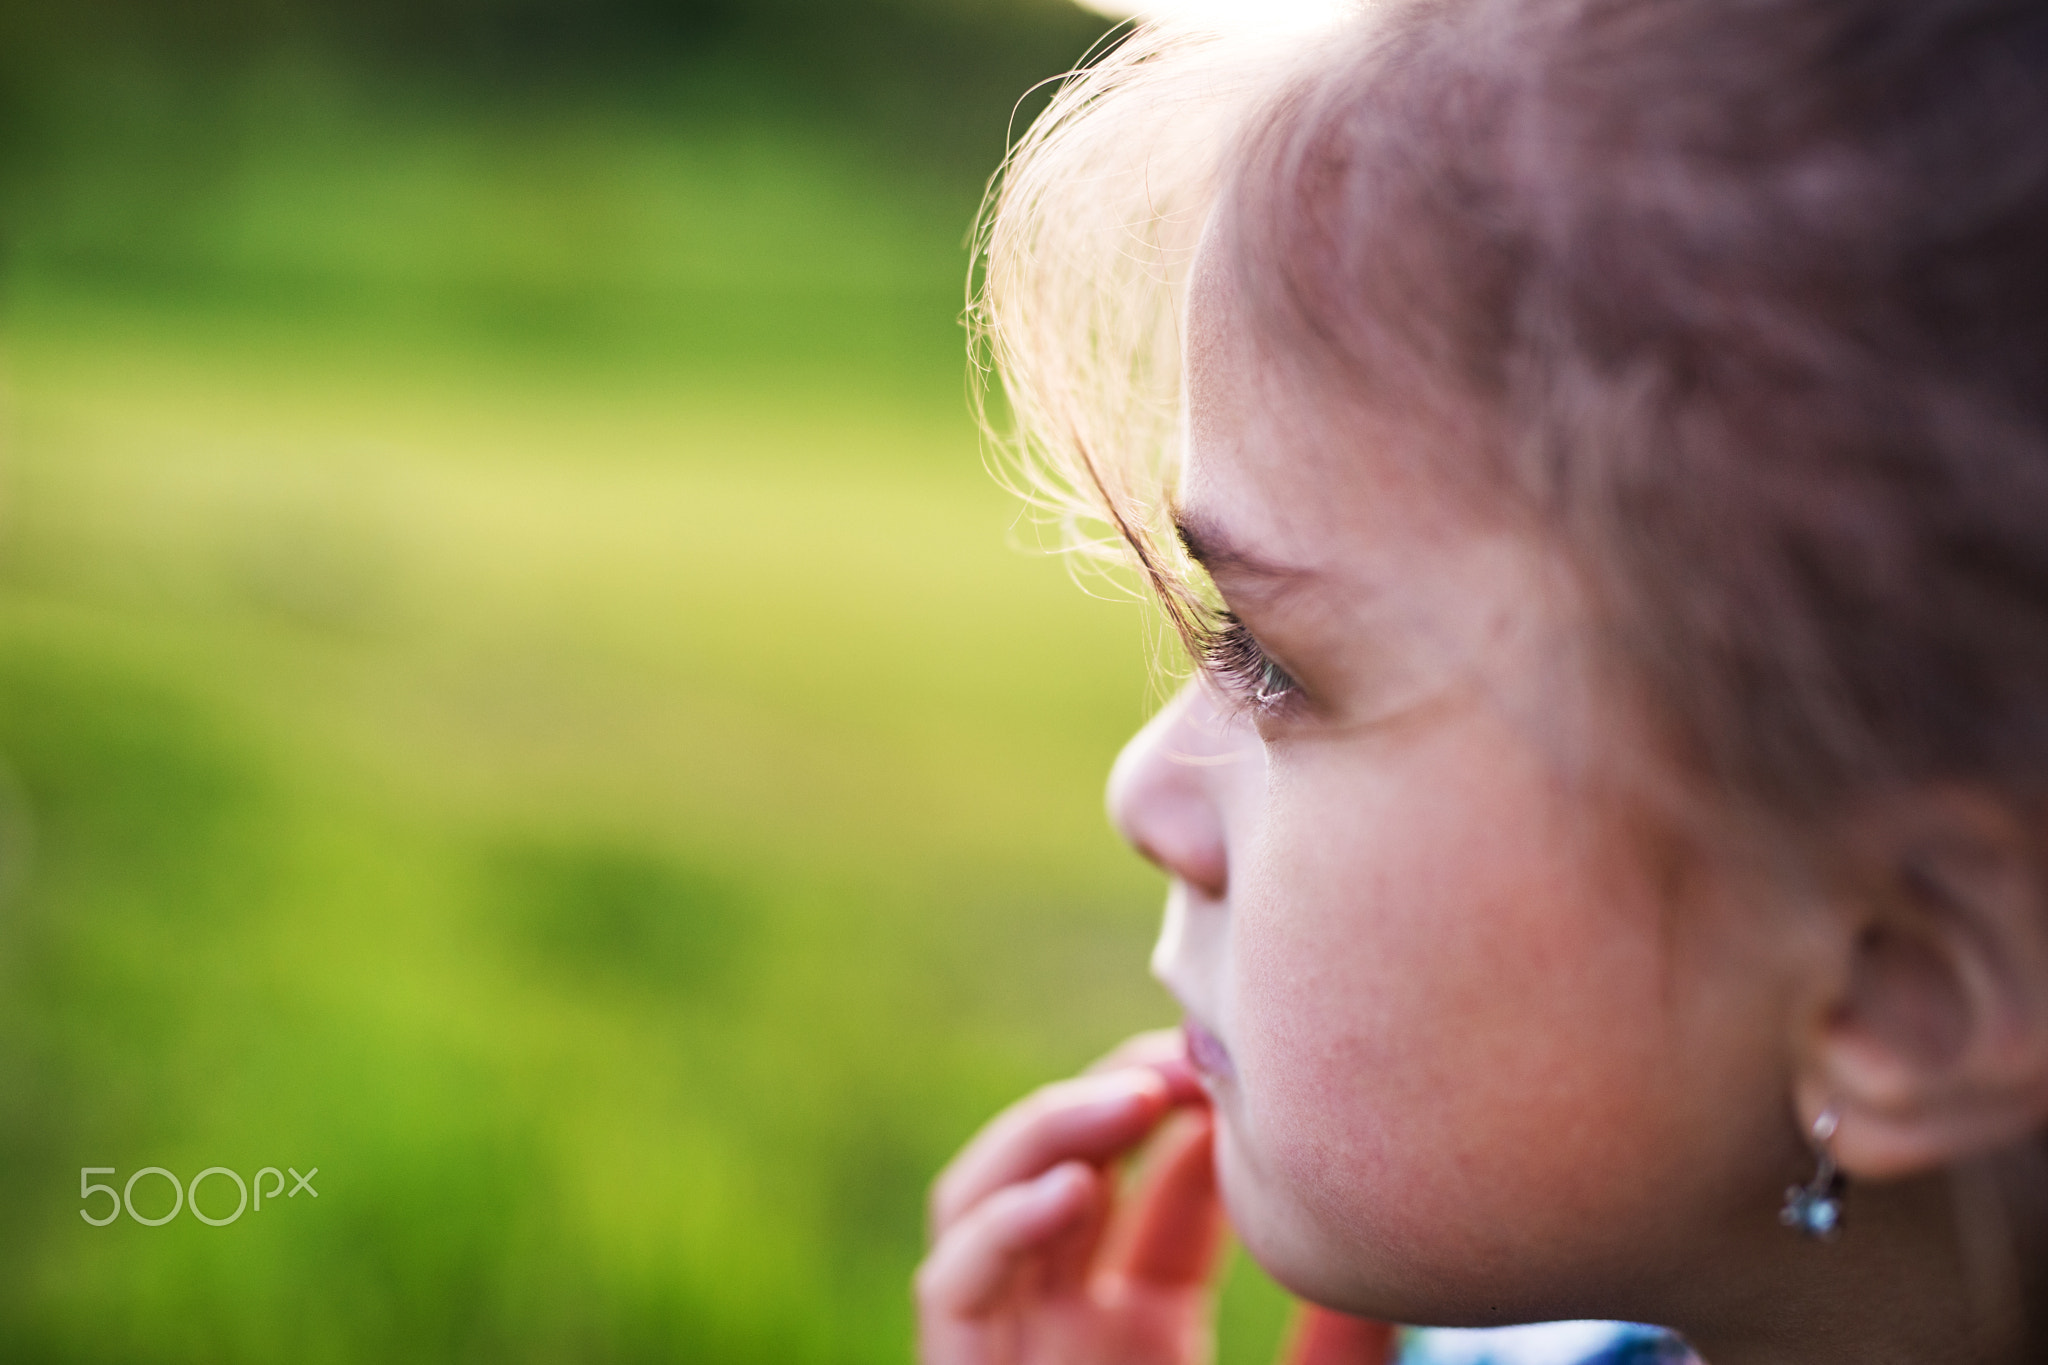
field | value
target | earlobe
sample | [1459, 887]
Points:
[1931, 1041]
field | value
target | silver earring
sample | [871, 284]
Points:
[1815, 1208]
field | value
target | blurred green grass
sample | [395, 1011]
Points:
[516, 690]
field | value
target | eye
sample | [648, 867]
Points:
[1234, 659]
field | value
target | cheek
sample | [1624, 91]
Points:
[1446, 1009]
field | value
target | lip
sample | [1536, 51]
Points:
[1206, 1052]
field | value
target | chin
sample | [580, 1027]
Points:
[1347, 1259]
[1277, 1230]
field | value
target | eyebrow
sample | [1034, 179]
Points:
[1210, 545]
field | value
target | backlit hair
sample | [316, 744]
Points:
[1082, 258]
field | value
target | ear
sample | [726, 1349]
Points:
[1930, 1038]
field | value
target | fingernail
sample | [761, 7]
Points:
[1126, 1093]
[1057, 1184]
[1181, 1080]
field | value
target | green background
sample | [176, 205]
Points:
[515, 687]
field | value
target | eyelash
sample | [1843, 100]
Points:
[1234, 659]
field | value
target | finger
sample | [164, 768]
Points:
[1165, 1050]
[1175, 1226]
[1070, 1255]
[1091, 1119]
[975, 1262]
[1323, 1337]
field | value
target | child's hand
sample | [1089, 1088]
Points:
[1037, 1259]
[1032, 1263]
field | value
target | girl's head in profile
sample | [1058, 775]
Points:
[1597, 452]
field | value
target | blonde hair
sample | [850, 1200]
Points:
[1075, 308]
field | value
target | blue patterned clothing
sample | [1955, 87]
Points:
[1545, 1343]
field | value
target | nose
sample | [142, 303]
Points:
[1164, 790]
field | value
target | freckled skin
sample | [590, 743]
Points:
[1483, 1072]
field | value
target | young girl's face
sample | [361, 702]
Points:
[1476, 1052]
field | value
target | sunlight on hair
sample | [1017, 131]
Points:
[1082, 254]
[1227, 14]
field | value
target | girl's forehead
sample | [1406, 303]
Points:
[1357, 517]
[1284, 460]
